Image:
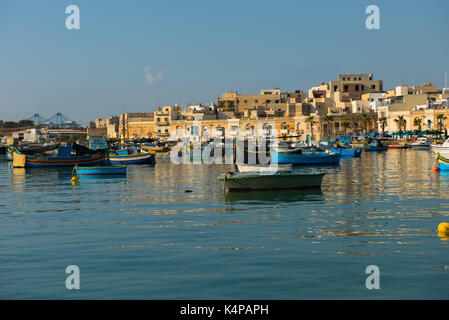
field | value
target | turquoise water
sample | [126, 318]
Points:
[144, 237]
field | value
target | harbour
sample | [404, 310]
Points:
[143, 235]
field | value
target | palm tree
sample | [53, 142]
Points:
[345, 125]
[401, 122]
[365, 119]
[383, 123]
[440, 118]
[312, 122]
[417, 122]
[328, 119]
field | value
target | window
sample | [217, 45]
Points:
[360, 79]
[355, 79]
[373, 86]
[245, 101]
[335, 88]
[357, 87]
[346, 88]
[363, 87]
[257, 101]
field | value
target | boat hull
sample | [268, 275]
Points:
[56, 161]
[355, 153]
[420, 146]
[305, 159]
[443, 163]
[440, 149]
[100, 171]
[262, 168]
[278, 181]
[140, 158]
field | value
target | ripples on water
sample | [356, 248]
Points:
[144, 237]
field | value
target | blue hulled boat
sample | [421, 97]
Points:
[137, 158]
[89, 171]
[307, 159]
[63, 159]
[348, 152]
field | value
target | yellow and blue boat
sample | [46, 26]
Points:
[443, 163]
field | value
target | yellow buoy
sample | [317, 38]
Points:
[74, 180]
[443, 227]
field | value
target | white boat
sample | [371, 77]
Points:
[264, 168]
[422, 144]
[441, 148]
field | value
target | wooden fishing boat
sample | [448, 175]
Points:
[137, 158]
[277, 181]
[155, 148]
[264, 168]
[21, 160]
[84, 171]
[443, 163]
[305, 159]
[348, 152]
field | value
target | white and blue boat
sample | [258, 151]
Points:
[124, 158]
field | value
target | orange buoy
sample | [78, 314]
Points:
[436, 169]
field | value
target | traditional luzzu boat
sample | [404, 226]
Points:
[94, 171]
[123, 157]
[305, 159]
[443, 163]
[277, 181]
[348, 152]
[62, 159]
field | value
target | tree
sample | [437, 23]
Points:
[365, 120]
[383, 123]
[312, 122]
[401, 122]
[328, 119]
[417, 122]
[440, 119]
[345, 125]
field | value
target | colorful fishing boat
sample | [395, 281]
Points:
[87, 171]
[21, 160]
[348, 152]
[137, 158]
[277, 181]
[443, 163]
[305, 159]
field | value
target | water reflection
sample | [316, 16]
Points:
[273, 196]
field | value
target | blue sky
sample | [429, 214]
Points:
[203, 48]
